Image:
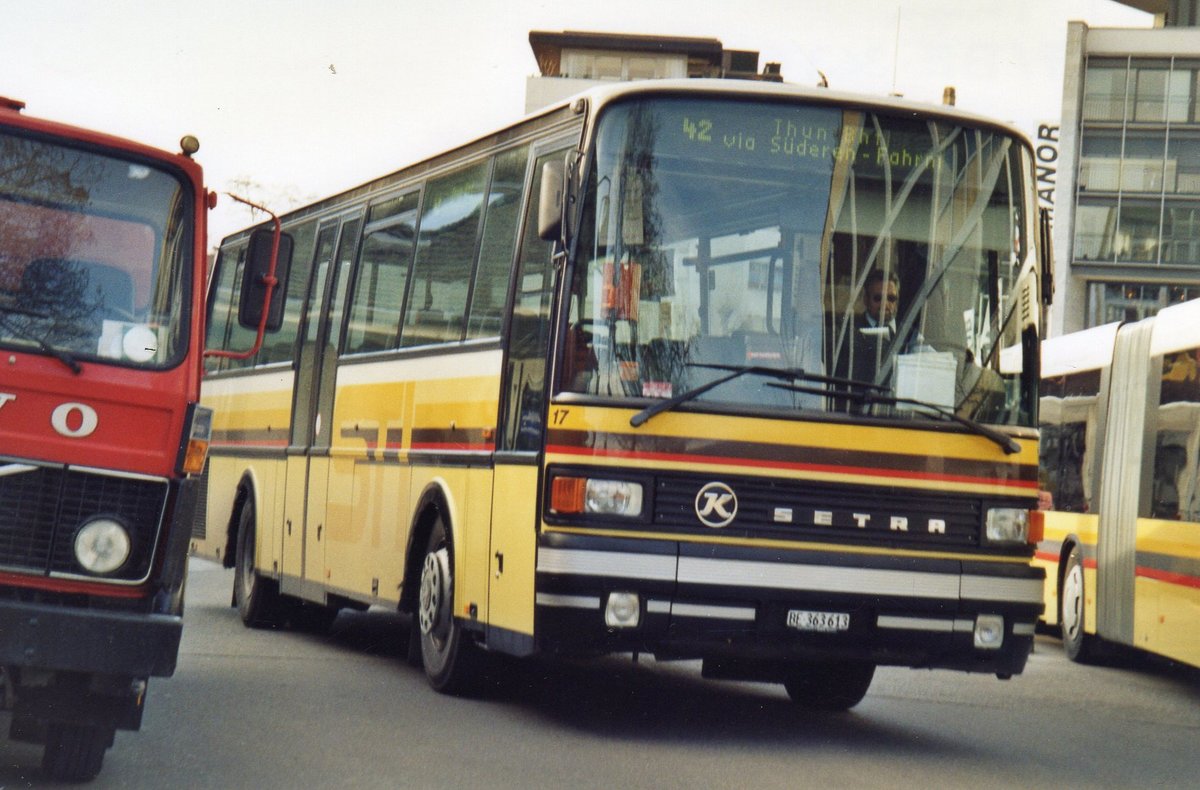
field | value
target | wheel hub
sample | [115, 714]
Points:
[433, 607]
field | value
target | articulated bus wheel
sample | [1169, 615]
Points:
[74, 752]
[1072, 614]
[451, 660]
[257, 598]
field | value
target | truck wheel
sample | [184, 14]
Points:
[451, 660]
[829, 685]
[257, 598]
[74, 752]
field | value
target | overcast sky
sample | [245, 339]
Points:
[305, 98]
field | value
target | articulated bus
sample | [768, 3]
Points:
[1120, 413]
[573, 388]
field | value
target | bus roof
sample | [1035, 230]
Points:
[594, 99]
[1090, 349]
[1176, 328]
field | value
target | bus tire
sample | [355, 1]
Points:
[1072, 610]
[829, 685]
[257, 598]
[451, 659]
[74, 752]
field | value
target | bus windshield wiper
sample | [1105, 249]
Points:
[1006, 443]
[61, 355]
[736, 371]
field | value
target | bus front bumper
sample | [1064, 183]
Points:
[681, 600]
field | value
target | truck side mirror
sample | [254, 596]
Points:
[253, 301]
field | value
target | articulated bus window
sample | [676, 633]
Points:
[437, 297]
[1069, 411]
[500, 222]
[1173, 490]
[387, 252]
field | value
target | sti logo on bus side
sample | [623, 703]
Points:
[80, 415]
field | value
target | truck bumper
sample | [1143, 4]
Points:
[88, 640]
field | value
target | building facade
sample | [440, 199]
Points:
[571, 61]
[1127, 226]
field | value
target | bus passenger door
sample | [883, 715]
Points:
[316, 372]
[519, 439]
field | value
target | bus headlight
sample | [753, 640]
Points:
[576, 495]
[1007, 525]
[102, 545]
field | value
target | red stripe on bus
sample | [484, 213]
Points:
[1181, 579]
[1030, 485]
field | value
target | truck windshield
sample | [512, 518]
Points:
[93, 253]
[876, 259]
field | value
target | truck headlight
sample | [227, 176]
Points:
[102, 545]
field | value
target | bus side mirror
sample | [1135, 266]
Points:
[550, 200]
[1046, 259]
[253, 300]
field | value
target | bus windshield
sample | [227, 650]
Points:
[93, 255]
[835, 259]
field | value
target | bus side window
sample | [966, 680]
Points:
[524, 396]
[449, 229]
[1173, 487]
[281, 346]
[384, 261]
[500, 226]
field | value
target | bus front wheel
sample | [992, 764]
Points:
[257, 598]
[833, 686]
[451, 660]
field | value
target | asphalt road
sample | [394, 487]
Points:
[271, 709]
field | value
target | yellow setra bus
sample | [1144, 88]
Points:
[604, 382]
[1120, 412]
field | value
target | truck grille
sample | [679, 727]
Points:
[42, 506]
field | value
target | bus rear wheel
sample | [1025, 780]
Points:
[1072, 612]
[74, 752]
[451, 660]
[257, 598]
[829, 685]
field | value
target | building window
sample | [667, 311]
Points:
[1104, 91]
[1139, 149]
[599, 65]
[1108, 302]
